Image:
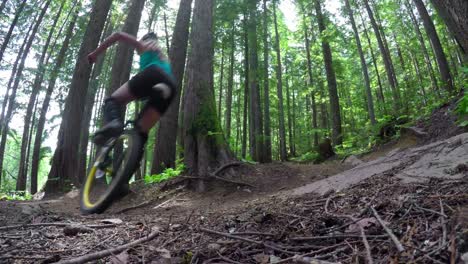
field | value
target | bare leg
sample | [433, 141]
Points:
[148, 119]
[123, 94]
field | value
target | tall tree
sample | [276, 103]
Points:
[423, 46]
[337, 135]
[12, 99]
[59, 61]
[165, 147]
[246, 88]
[65, 159]
[256, 130]
[431, 32]
[311, 78]
[204, 145]
[279, 80]
[7, 37]
[22, 171]
[266, 86]
[386, 58]
[230, 82]
[453, 12]
[365, 72]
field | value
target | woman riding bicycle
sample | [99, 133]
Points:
[154, 82]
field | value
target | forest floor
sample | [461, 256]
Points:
[404, 202]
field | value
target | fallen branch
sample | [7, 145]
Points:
[331, 237]
[225, 166]
[3, 228]
[245, 240]
[108, 252]
[392, 236]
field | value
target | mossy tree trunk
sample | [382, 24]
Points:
[204, 145]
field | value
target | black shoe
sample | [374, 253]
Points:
[113, 119]
[110, 130]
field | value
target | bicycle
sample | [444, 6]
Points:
[115, 163]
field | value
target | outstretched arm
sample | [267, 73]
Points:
[116, 37]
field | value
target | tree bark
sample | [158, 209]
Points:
[365, 72]
[386, 58]
[204, 145]
[256, 121]
[45, 105]
[221, 80]
[165, 147]
[279, 77]
[311, 81]
[65, 159]
[266, 86]
[435, 42]
[453, 12]
[230, 84]
[22, 171]
[10, 30]
[337, 136]
[166, 33]
[246, 89]
[430, 70]
[90, 100]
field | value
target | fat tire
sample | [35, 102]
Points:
[119, 179]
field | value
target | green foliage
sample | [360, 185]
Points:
[462, 111]
[15, 196]
[311, 156]
[166, 175]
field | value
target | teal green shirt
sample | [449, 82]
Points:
[150, 58]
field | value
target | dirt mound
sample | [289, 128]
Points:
[441, 124]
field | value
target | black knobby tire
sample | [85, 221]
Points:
[133, 154]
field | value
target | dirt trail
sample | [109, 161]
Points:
[298, 213]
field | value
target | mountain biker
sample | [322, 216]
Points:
[154, 82]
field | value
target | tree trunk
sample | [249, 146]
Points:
[11, 100]
[256, 121]
[166, 33]
[435, 42]
[337, 136]
[311, 81]
[65, 160]
[165, 147]
[266, 86]
[430, 70]
[246, 89]
[453, 12]
[279, 77]
[90, 100]
[230, 84]
[221, 80]
[7, 37]
[365, 72]
[22, 171]
[203, 150]
[45, 105]
[2, 6]
[386, 58]
[292, 150]
[380, 93]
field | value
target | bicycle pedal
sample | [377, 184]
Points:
[100, 174]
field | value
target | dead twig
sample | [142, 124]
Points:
[331, 237]
[227, 259]
[108, 252]
[3, 228]
[392, 236]
[246, 240]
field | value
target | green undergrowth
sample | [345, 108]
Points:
[14, 196]
[462, 111]
[167, 174]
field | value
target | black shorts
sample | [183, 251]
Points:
[155, 85]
